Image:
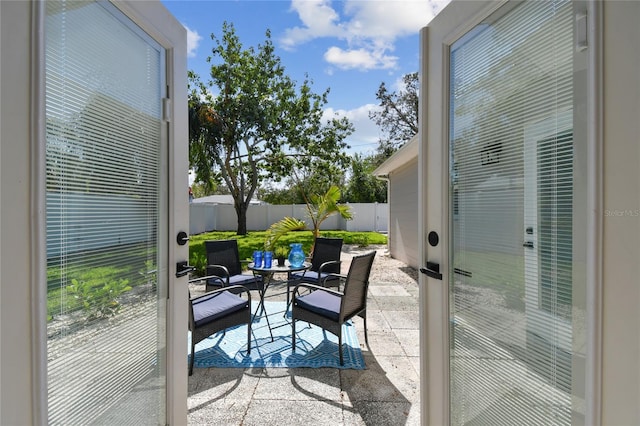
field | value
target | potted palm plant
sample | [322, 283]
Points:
[319, 208]
[281, 253]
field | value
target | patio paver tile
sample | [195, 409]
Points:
[402, 319]
[409, 340]
[389, 290]
[293, 413]
[299, 384]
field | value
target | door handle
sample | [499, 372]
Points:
[182, 238]
[528, 244]
[183, 268]
[432, 270]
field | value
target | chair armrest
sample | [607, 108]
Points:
[333, 276]
[219, 290]
[327, 264]
[207, 277]
[314, 287]
[214, 269]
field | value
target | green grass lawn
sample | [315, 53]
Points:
[247, 244]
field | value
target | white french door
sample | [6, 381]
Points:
[503, 211]
[110, 210]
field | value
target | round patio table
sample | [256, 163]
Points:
[268, 273]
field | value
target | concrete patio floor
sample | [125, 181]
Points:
[387, 392]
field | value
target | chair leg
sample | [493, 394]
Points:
[366, 336]
[288, 290]
[289, 300]
[290, 284]
[193, 355]
[293, 335]
[249, 337]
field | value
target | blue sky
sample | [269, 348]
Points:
[347, 46]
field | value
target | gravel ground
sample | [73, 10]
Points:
[385, 268]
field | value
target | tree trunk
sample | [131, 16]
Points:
[241, 211]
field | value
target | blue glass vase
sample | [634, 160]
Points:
[296, 255]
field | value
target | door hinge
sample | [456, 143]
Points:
[166, 109]
[582, 27]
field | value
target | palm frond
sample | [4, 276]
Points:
[281, 227]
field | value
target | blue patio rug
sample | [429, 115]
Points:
[314, 347]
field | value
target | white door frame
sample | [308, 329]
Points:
[455, 20]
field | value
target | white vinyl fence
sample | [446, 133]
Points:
[95, 222]
[222, 217]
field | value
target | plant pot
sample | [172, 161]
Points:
[280, 261]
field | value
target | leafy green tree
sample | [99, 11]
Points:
[363, 187]
[260, 125]
[279, 195]
[295, 188]
[201, 190]
[398, 114]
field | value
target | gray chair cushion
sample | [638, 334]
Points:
[312, 277]
[209, 309]
[321, 302]
[242, 279]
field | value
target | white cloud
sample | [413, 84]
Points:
[319, 19]
[366, 135]
[389, 19]
[193, 41]
[359, 58]
[368, 29]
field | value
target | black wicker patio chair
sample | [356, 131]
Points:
[216, 311]
[325, 263]
[224, 268]
[330, 309]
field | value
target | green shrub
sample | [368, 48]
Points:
[199, 261]
[361, 240]
[98, 295]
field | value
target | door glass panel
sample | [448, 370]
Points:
[106, 218]
[517, 278]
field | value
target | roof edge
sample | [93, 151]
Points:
[408, 152]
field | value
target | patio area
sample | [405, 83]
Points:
[387, 392]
